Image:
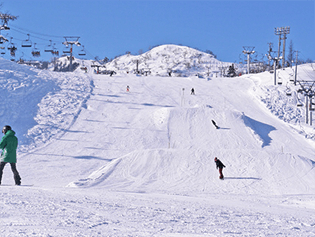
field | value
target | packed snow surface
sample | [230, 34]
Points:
[97, 160]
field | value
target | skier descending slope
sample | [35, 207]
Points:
[9, 144]
[220, 166]
[215, 124]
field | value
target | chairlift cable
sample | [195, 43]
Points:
[36, 37]
[26, 30]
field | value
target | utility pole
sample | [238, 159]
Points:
[282, 31]
[248, 50]
[68, 42]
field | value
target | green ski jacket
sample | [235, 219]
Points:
[8, 144]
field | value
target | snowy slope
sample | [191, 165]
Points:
[97, 160]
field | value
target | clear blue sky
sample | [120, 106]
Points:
[110, 28]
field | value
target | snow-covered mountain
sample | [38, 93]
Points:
[98, 160]
[162, 60]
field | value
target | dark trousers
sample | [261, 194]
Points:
[16, 174]
[221, 173]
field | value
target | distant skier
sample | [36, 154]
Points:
[220, 166]
[214, 123]
[192, 91]
[8, 144]
[128, 88]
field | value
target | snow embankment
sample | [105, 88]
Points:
[40, 104]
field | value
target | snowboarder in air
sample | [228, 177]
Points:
[192, 91]
[214, 123]
[8, 144]
[220, 166]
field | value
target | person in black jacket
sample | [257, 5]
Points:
[220, 166]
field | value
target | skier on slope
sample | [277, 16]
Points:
[192, 91]
[220, 166]
[8, 144]
[215, 124]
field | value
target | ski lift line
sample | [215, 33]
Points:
[26, 30]
[89, 54]
[302, 54]
[307, 73]
[40, 39]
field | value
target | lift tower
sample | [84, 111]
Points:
[71, 40]
[248, 50]
[5, 19]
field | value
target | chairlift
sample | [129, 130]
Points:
[291, 78]
[35, 51]
[299, 103]
[279, 81]
[12, 48]
[82, 52]
[66, 49]
[27, 42]
[48, 48]
[55, 51]
[288, 90]
[3, 39]
[2, 50]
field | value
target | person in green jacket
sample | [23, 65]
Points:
[8, 144]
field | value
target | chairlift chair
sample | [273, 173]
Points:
[48, 48]
[288, 90]
[12, 48]
[82, 52]
[3, 39]
[2, 50]
[27, 42]
[35, 51]
[299, 102]
[280, 81]
[291, 78]
[66, 49]
[54, 50]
